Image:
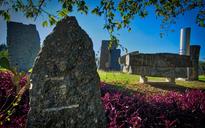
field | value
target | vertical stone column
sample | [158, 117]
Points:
[194, 56]
[109, 57]
[23, 45]
[114, 63]
[185, 45]
[185, 41]
[104, 56]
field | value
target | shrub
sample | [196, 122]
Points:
[14, 99]
[173, 109]
[183, 110]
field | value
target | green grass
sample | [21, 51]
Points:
[202, 78]
[123, 78]
[157, 84]
[3, 69]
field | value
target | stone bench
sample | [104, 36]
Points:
[166, 65]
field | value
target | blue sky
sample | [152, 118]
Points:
[144, 37]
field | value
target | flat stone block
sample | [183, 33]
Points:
[143, 79]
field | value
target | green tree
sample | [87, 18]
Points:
[127, 10]
[4, 53]
[3, 47]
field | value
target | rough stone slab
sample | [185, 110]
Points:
[109, 57]
[114, 63]
[122, 59]
[194, 56]
[104, 55]
[157, 60]
[158, 71]
[23, 45]
[65, 85]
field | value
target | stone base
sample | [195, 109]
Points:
[143, 79]
[170, 80]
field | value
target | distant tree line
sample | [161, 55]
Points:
[3, 47]
[4, 62]
[202, 67]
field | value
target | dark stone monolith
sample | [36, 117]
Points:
[23, 45]
[109, 57]
[194, 56]
[65, 84]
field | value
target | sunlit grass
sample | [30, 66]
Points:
[3, 69]
[129, 81]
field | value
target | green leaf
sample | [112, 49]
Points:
[4, 63]
[5, 14]
[52, 20]
[63, 13]
[95, 10]
[15, 104]
[129, 29]
[201, 23]
[30, 70]
[8, 119]
[45, 23]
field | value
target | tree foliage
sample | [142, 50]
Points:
[3, 47]
[118, 13]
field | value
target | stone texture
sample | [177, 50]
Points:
[104, 55]
[65, 85]
[194, 56]
[114, 57]
[23, 45]
[158, 60]
[159, 71]
[158, 65]
[109, 57]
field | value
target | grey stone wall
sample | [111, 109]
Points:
[109, 57]
[104, 55]
[114, 57]
[160, 64]
[194, 56]
[23, 45]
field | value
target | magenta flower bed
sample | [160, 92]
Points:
[181, 110]
[12, 115]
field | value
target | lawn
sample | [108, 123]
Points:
[127, 104]
[157, 84]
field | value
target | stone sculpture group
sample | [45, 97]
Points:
[65, 90]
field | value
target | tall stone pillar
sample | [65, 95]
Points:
[109, 57]
[104, 56]
[185, 45]
[194, 56]
[23, 45]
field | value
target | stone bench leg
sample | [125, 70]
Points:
[143, 79]
[171, 80]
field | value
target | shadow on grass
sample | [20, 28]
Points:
[122, 89]
[168, 86]
[201, 81]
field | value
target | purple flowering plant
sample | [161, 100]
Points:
[170, 110]
[122, 109]
[14, 99]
